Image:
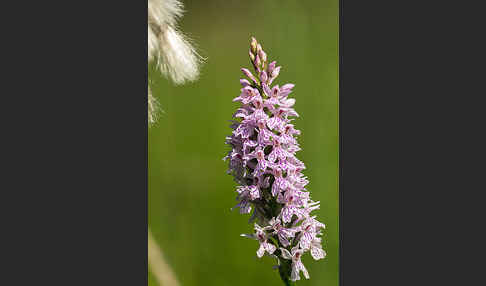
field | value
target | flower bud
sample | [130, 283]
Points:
[252, 56]
[276, 72]
[263, 56]
[271, 66]
[247, 73]
[263, 76]
[253, 45]
[257, 62]
[244, 82]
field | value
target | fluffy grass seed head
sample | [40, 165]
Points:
[174, 55]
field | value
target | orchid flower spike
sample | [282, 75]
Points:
[262, 161]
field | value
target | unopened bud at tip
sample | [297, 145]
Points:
[253, 45]
[252, 56]
[257, 61]
[276, 72]
[263, 56]
[259, 48]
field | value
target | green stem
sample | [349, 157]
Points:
[285, 269]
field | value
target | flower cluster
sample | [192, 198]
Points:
[263, 163]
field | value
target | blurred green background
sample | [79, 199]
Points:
[190, 194]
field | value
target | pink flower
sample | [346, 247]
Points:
[264, 244]
[245, 196]
[245, 129]
[262, 164]
[293, 202]
[263, 76]
[277, 122]
[316, 249]
[273, 71]
[244, 83]
[308, 231]
[282, 232]
[277, 152]
[247, 73]
[264, 135]
[280, 184]
[247, 95]
[286, 89]
[297, 265]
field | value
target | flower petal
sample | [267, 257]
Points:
[260, 251]
[317, 253]
[294, 276]
[285, 253]
[270, 247]
[302, 268]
